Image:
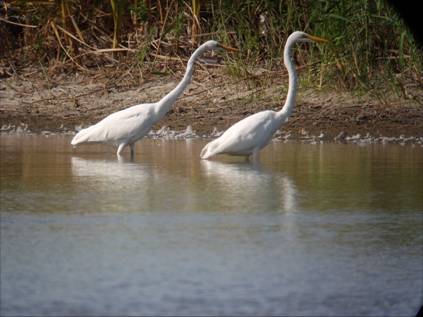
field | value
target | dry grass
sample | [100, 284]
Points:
[370, 47]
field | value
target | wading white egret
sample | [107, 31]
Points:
[127, 126]
[248, 136]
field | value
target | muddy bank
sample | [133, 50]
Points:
[213, 102]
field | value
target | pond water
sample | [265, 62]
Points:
[324, 229]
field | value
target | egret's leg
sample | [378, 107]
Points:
[254, 157]
[132, 146]
[120, 149]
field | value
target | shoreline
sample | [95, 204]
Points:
[165, 133]
[213, 102]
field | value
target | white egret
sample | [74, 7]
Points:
[248, 136]
[127, 126]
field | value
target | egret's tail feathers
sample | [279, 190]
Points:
[76, 140]
[203, 153]
[81, 137]
[207, 151]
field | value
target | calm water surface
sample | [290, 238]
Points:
[327, 229]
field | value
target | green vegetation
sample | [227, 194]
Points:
[370, 46]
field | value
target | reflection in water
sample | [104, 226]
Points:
[112, 170]
[123, 185]
[230, 186]
[107, 183]
[289, 194]
[329, 229]
[249, 187]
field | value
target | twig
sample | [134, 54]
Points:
[168, 58]
[75, 25]
[61, 45]
[106, 50]
[64, 98]
[214, 33]
[162, 29]
[19, 24]
[74, 37]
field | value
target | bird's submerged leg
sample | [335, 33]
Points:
[132, 146]
[120, 149]
[254, 157]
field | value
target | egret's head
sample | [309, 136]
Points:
[299, 36]
[211, 45]
[214, 45]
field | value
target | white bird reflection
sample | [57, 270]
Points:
[245, 186]
[110, 185]
[209, 186]
[122, 169]
[126, 185]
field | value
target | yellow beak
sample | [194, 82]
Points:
[228, 48]
[317, 39]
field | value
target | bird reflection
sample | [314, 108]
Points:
[247, 186]
[212, 186]
[110, 174]
[133, 185]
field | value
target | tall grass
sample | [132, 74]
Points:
[369, 44]
[370, 47]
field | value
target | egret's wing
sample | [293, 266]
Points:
[122, 125]
[247, 134]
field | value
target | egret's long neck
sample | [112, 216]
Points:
[293, 84]
[167, 101]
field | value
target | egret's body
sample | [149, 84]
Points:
[125, 127]
[121, 128]
[248, 136]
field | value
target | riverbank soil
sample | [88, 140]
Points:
[33, 98]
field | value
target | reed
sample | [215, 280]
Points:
[370, 46]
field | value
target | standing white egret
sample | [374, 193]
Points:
[248, 136]
[127, 126]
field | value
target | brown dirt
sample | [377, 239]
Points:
[213, 100]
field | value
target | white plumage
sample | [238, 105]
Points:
[122, 127]
[248, 136]
[127, 126]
